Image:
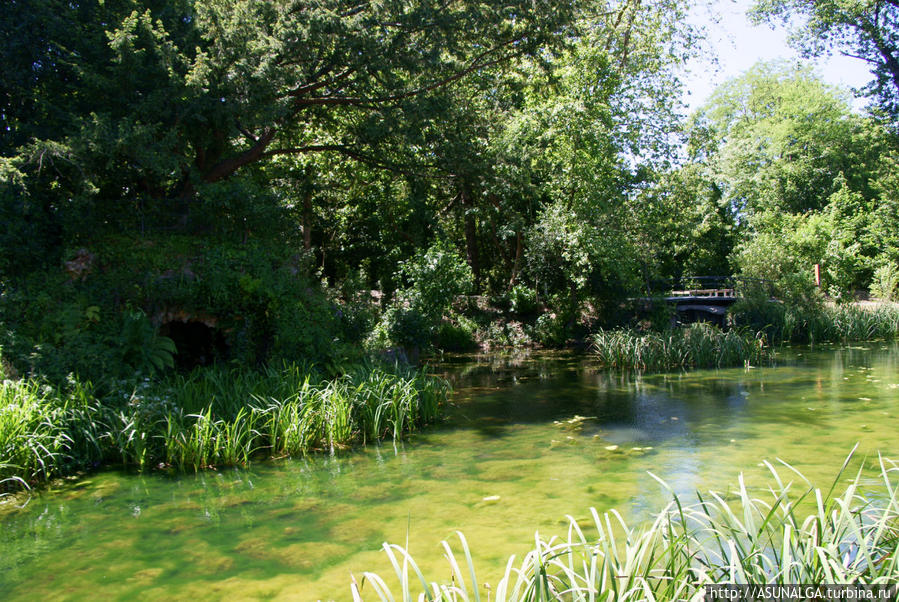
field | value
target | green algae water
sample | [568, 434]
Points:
[529, 439]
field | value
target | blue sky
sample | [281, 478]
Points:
[739, 45]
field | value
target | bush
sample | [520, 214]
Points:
[457, 336]
[404, 327]
[98, 315]
[551, 330]
[436, 277]
[523, 301]
[885, 284]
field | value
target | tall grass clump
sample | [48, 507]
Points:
[699, 345]
[226, 417]
[816, 322]
[212, 417]
[45, 433]
[787, 533]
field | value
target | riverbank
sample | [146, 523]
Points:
[214, 417]
[207, 418]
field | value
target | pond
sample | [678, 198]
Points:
[506, 463]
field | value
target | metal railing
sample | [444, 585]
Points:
[708, 285]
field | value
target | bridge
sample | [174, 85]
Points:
[702, 298]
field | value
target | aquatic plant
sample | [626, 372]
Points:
[757, 538]
[208, 418]
[816, 323]
[699, 345]
[44, 433]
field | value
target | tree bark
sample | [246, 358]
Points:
[471, 236]
[516, 264]
[307, 221]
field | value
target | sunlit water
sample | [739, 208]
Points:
[298, 529]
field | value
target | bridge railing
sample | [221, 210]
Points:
[708, 286]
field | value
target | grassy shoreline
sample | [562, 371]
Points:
[757, 330]
[696, 346]
[819, 323]
[209, 418]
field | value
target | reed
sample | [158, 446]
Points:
[763, 538]
[817, 323]
[207, 418]
[696, 346]
[44, 433]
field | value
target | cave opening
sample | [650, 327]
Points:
[198, 343]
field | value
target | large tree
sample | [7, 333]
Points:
[864, 29]
[159, 98]
[802, 174]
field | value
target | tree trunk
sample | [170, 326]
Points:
[307, 221]
[516, 264]
[471, 237]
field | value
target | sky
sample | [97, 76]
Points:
[739, 45]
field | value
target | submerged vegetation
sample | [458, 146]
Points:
[210, 418]
[787, 532]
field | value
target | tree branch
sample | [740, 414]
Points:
[357, 155]
[476, 64]
[226, 167]
[859, 57]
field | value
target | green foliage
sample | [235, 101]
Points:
[806, 176]
[789, 532]
[522, 301]
[141, 346]
[101, 317]
[699, 345]
[885, 284]
[572, 257]
[782, 138]
[436, 277]
[46, 433]
[405, 327]
[551, 330]
[210, 417]
[456, 336]
[815, 322]
[857, 28]
[682, 226]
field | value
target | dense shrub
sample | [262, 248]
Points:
[435, 278]
[456, 336]
[99, 315]
[522, 301]
[551, 330]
